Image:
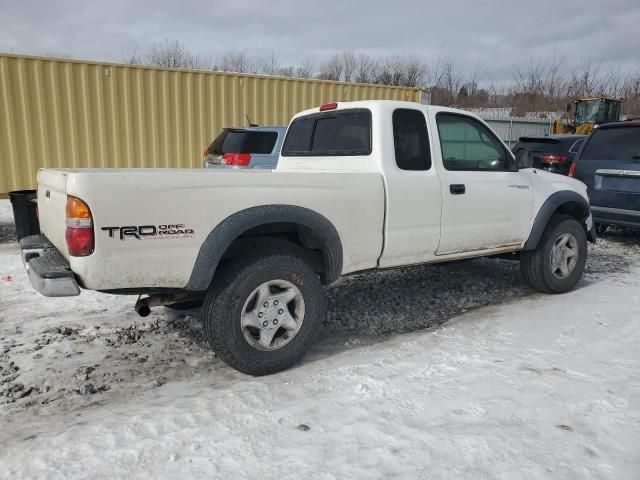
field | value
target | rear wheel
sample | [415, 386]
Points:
[556, 265]
[262, 314]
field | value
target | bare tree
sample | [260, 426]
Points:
[366, 69]
[270, 66]
[305, 69]
[415, 72]
[584, 78]
[449, 80]
[172, 54]
[349, 63]
[402, 71]
[236, 61]
[286, 71]
[332, 68]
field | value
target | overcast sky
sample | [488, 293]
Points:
[500, 35]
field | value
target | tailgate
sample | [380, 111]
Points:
[623, 184]
[52, 201]
[624, 181]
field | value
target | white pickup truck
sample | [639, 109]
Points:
[359, 186]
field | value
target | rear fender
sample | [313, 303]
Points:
[226, 232]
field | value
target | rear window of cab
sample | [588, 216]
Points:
[339, 132]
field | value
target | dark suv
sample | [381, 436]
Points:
[554, 153]
[609, 164]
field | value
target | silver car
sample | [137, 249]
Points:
[250, 147]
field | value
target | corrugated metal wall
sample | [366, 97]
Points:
[66, 113]
[510, 129]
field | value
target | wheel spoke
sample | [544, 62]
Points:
[289, 323]
[266, 337]
[263, 294]
[562, 241]
[286, 296]
[250, 319]
[564, 268]
[571, 252]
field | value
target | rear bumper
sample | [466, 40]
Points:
[616, 216]
[48, 270]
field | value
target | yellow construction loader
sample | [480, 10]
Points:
[587, 113]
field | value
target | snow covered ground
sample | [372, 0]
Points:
[489, 380]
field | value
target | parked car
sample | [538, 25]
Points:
[251, 147]
[609, 164]
[554, 153]
[359, 186]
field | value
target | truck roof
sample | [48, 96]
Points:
[374, 104]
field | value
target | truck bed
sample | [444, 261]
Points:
[197, 200]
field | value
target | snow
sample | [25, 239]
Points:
[521, 385]
[7, 230]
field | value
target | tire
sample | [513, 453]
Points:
[189, 305]
[238, 296]
[537, 266]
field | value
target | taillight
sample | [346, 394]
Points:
[79, 234]
[237, 159]
[553, 159]
[572, 169]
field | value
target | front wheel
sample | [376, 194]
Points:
[262, 314]
[557, 263]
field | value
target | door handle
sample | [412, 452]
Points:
[457, 189]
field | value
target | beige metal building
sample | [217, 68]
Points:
[68, 113]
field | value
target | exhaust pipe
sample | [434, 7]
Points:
[142, 308]
[143, 305]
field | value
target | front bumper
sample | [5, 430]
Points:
[48, 270]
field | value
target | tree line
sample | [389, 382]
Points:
[544, 86]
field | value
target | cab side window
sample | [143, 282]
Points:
[410, 140]
[468, 145]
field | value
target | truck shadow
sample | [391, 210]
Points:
[419, 297]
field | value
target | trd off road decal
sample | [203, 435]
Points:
[150, 232]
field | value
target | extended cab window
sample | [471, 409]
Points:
[468, 145]
[340, 132]
[410, 140]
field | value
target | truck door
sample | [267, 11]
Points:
[413, 195]
[486, 203]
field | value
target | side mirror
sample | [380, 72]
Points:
[568, 107]
[523, 159]
[524, 162]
